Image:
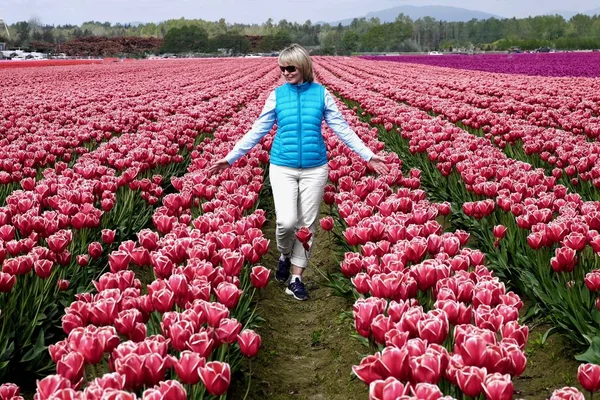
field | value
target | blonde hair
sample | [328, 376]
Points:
[297, 56]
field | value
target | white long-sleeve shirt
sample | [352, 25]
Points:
[333, 117]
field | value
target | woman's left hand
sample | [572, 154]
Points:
[378, 164]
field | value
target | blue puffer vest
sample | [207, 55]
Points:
[299, 142]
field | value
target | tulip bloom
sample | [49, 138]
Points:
[588, 376]
[326, 223]
[259, 277]
[216, 377]
[71, 367]
[249, 342]
[498, 387]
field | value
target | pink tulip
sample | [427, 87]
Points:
[567, 393]
[216, 377]
[71, 366]
[259, 277]
[188, 367]
[389, 389]
[588, 376]
[498, 387]
[249, 342]
[50, 385]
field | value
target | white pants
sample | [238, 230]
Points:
[298, 194]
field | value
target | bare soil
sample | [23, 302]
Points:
[307, 350]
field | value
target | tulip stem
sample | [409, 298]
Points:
[249, 378]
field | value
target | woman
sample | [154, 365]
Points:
[298, 167]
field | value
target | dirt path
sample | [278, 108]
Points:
[307, 351]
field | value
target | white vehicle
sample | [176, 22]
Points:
[435, 53]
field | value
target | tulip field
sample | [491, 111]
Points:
[128, 271]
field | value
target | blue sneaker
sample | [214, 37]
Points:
[297, 290]
[283, 270]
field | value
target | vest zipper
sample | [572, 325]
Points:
[299, 131]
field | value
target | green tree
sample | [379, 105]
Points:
[185, 39]
[350, 41]
[23, 29]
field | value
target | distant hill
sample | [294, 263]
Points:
[568, 14]
[441, 13]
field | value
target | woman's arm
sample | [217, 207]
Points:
[260, 128]
[335, 120]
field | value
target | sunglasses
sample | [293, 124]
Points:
[289, 68]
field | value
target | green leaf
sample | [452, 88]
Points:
[36, 350]
[547, 334]
[7, 352]
[592, 355]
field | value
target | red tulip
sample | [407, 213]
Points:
[232, 263]
[163, 300]
[148, 239]
[62, 284]
[95, 249]
[43, 268]
[216, 377]
[228, 294]
[564, 260]
[126, 321]
[9, 391]
[514, 331]
[473, 351]
[303, 235]
[567, 393]
[7, 281]
[82, 260]
[470, 379]
[588, 376]
[228, 330]
[394, 362]
[390, 389]
[58, 242]
[592, 281]
[108, 236]
[188, 367]
[370, 369]
[433, 328]
[201, 343]
[118, 261]
[171, 390]
[426, 368]
[259, 277]
[498, 387]
[104, 312]
[130, 366]
[499, 231]
[249, 342]
[426, 391]
[71, 366]
[154, 368]
[50, 385]
[326, 223]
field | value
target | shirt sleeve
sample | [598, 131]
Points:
[335, 120]
[260, 128]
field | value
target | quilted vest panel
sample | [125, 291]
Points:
[299, 142]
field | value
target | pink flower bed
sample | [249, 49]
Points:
[541, 64]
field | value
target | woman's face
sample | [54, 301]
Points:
[291, 74]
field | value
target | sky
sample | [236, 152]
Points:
[253, 11]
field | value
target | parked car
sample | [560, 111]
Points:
[545, 49]
[435, 53]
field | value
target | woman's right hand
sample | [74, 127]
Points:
[218, 166]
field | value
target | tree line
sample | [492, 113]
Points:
[362, 35]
